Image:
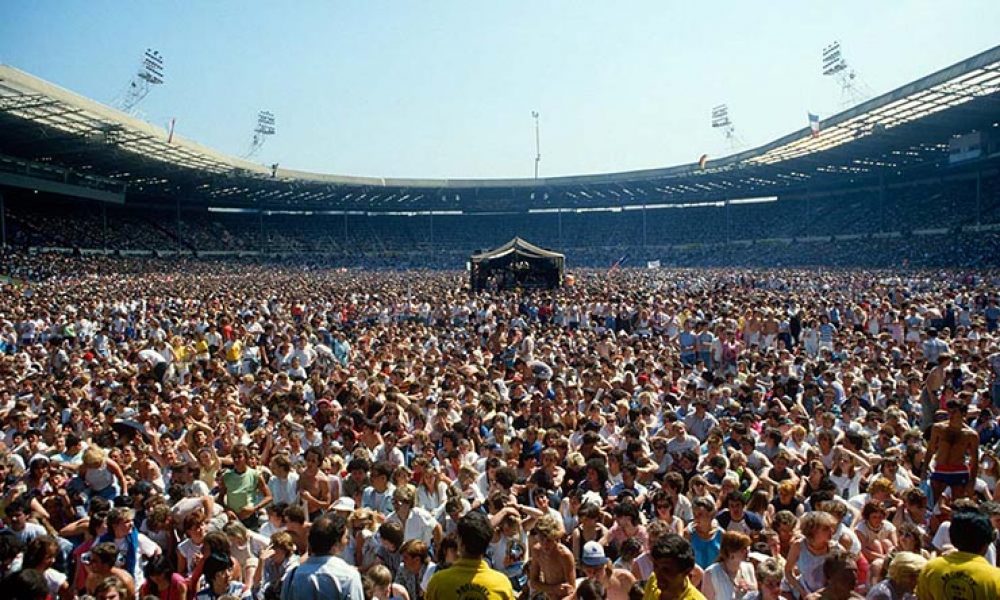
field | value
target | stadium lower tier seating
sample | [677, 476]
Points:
[930, 223]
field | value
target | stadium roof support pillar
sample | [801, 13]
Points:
[263, 238]
[3, 224]
[881, 203]
[979, 190]
[644, 227]
[808, 216]
[729, 226]
[559, 213]
[180, 245]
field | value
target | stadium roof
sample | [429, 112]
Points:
[53, 135]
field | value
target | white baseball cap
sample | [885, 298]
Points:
[593, 555]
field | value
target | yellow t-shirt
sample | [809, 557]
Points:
[181, 353]
[652, 591]
[959, 575]
[235, 351]
[469, 579]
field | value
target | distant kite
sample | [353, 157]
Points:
[702, 161]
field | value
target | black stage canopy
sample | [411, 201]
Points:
[517, 264]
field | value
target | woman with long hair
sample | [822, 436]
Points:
[432, 491]
[804, 567]
[732, 576]
[589, 529]
[162, 581]
[848, 471]
[816, 474]
[663, 510]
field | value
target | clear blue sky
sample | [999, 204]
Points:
[446, 89]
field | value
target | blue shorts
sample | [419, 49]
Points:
[951, 478]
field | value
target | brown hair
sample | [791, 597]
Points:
[811, 522]
[732, 543]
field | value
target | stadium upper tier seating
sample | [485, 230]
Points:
[871, 229]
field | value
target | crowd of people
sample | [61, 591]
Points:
[941, 222]
[188, 430]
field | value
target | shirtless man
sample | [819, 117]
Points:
[955, 449]
[552, 572]
[597, 566]
[103, 560]
[314, 488]
[769, 329]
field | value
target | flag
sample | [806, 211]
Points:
[618, 263]
[170, 130]
[653, 264]
[703, 161]
[814, 124]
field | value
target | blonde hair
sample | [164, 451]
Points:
[548, 527]
[575, 460]
[284, 541]
[880, 485]
[380, 575]
[906, 563]
[93, 457]
[363, 515]
[405, 494]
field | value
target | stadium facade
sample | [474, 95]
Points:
[920, 160]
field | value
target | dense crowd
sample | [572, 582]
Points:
[206, 430]
[924, 223]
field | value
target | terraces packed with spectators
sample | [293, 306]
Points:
[907, 216]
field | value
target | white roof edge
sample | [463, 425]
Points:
[29, 84]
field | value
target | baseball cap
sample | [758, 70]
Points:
[343, 503]
[593, 554]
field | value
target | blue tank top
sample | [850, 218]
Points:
[706, 551]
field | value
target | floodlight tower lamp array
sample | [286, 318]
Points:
[149, 75]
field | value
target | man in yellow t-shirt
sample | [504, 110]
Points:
[964, 573]
[470, 577]
[673, 561]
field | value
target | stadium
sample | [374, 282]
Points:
[767, 374]
[877, 186]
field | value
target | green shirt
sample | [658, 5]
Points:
[240, 488]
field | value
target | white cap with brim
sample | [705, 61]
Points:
[593, 555]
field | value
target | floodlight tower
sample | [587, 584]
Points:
[852, 89]
[538, 146]
[264, 129]
[720, 120]
[149, 75]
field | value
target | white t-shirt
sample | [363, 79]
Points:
[724, 586]
[419, 525]
[943, 538]
[147, 549]
[286, 490]
[188, 549]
